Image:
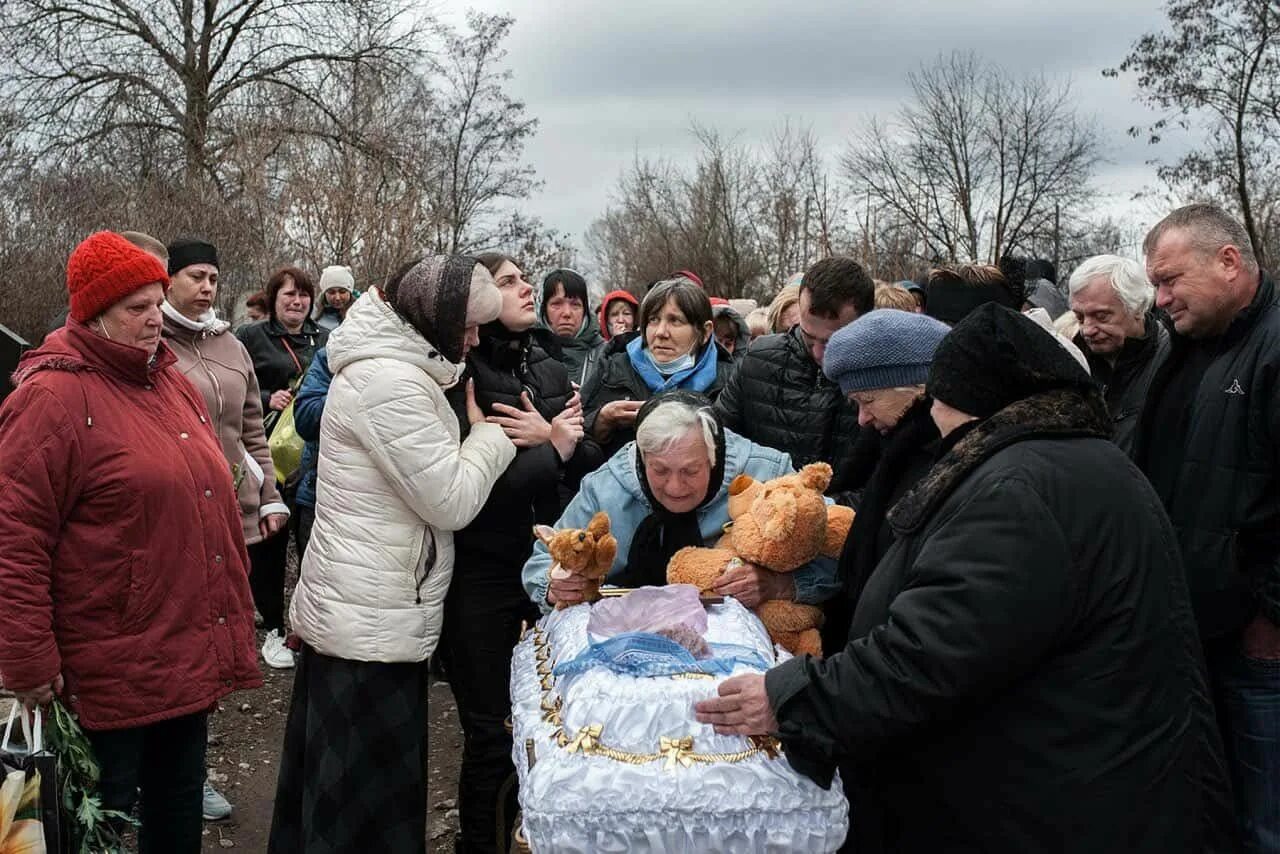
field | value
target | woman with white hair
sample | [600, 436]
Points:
[1120, 335]
[670, 489]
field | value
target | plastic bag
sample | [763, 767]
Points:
[30, 821]
[286, 446]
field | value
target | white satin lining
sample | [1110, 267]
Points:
[574, 802]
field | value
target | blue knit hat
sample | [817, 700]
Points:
[885, 348]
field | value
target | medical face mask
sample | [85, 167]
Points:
[674, 366]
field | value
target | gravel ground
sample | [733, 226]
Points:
[246, 735]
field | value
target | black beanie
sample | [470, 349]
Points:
[951, 300]
[995, 357]
[185, 252]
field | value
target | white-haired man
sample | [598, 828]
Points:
[1119, 334]
[1207, 440]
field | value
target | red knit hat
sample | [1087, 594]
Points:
[104, 269]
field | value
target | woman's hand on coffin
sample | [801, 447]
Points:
[751, 585]
[741, 709]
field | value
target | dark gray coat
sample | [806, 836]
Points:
[778, 396]
[1125, 384]
[1226, 507]
[1023, 670]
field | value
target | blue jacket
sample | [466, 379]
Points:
[308, 407]
[615, 489]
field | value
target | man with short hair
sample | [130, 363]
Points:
[1119, 335]
[779, 397]
[1208, 439]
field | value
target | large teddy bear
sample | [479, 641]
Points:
[780, 525]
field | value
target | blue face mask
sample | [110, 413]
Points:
[674, 366]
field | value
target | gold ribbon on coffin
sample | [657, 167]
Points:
[586, 740]
[551, 710]
[676, 750]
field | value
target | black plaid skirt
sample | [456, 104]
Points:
[353, 768]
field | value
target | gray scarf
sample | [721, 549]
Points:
[432, 297]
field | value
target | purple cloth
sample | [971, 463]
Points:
[649, 609]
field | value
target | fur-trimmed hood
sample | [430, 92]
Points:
[1058, 414]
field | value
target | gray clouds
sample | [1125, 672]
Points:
[613, 80]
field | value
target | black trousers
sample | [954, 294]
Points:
[482, 618]
[303, 520]
[166, 761]
[266, 579]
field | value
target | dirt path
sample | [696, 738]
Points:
[244, 751]
[444, 755]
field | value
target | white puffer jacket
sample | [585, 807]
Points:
[393, 480]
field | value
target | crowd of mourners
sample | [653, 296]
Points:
[1055, 624]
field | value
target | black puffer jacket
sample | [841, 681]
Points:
[1023, 672]
[903, 457]
[272, 362]
[500, 538]
[1125, 384]
[1225, 494]
[613, 378]
[779, 397]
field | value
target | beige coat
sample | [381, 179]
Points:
[217, 364]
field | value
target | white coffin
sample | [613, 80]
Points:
[618, 763]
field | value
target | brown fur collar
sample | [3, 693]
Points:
[1061, 413]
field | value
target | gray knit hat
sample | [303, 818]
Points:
[885, 348]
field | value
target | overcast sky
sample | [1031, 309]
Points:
[609, 79]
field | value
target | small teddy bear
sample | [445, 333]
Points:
[780, 525]
[587, 553]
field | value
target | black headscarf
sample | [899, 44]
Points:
[662, 533]
[996, 356]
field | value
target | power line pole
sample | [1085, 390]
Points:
[1057, 235]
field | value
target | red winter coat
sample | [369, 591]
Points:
[122, 561]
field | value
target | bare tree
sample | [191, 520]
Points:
[1217, 71]
[85, 72]
[481, 133]
[800, 210]
[978, 162]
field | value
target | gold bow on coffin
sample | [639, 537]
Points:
[551, 710]
[677, 750]
[587, 739]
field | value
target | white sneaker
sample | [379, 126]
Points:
[215, 807]
[275, 653]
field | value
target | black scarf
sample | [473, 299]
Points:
[901, 452]
[662, 533]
